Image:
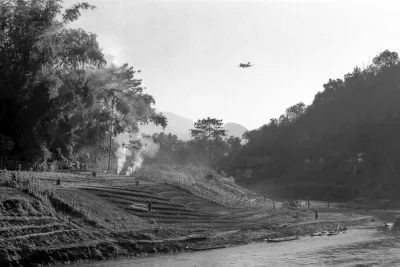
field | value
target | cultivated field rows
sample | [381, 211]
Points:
[164, 210]
[99, 209]
[108, 199]
[225, 193]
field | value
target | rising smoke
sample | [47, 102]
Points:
[124, 154]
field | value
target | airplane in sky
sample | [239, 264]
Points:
[242, 65]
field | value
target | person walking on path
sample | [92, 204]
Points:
[316, 214]
[149, 206]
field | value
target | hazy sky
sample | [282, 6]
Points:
[189, 51]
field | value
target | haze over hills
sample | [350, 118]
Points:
[180, 126]
[235, 129]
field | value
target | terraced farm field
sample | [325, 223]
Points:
[164, 209]
[26, 222]
[86, 217]
[185, 197]
[100, 211]
[117, 202]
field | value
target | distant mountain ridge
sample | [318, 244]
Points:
[181, 126]
[234, 129]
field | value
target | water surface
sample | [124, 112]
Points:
[359, 247]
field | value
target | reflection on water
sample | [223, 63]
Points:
[363, 247]
[381, 250]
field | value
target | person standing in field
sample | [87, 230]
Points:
[149, 206]
[316, 214]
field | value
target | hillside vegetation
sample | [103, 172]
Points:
[85, 217]
[345, 145]
[60, 101]
[62, 104]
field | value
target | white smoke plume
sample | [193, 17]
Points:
[148, 149]
[122, 152]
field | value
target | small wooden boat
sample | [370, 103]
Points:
[336, 232]
[389, 224]
[207, 248]
[333, 233]
[282, 239]
[316, 234]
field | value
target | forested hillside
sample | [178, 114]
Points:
[63, 106]
[59, 99]
[61, 102]
[343, 146]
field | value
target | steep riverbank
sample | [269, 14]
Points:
[377, 246]
[42, 223]
[157, 241]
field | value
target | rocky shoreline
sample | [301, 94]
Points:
[122, 246]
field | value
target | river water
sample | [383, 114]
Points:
[359, 247]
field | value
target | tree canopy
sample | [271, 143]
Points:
[57, 90]
[211, 130]
[321, 143]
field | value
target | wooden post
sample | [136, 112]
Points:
[111, 135]
[19, 176]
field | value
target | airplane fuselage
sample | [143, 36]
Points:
[245, 65]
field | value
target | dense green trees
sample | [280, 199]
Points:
[210, 145]
[321, 143]
[59, 99]
[210, 131]
[56, 90]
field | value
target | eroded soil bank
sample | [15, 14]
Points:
[132, 244]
